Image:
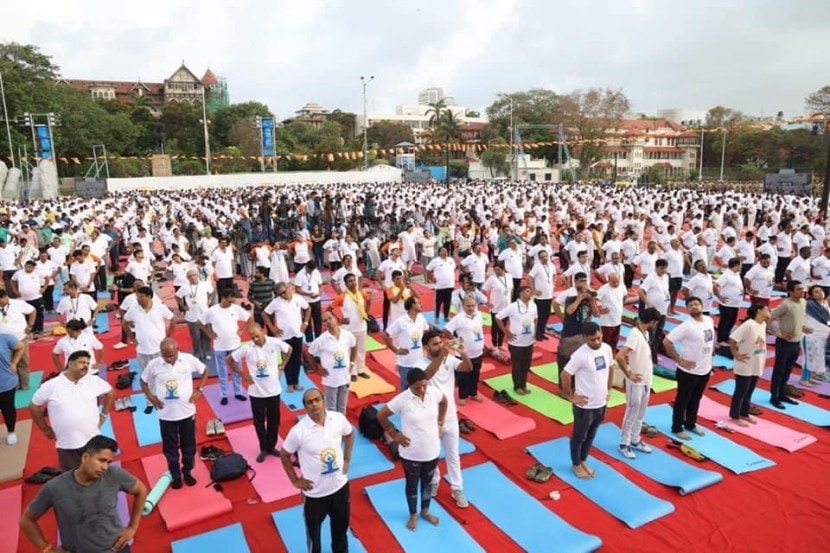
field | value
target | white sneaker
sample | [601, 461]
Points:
[460, 499]
[119, 345]
[11, 439]
[642, 446]
[627, 452]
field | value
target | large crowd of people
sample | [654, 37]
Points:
[528, 254]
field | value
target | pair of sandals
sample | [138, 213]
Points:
[43, 475]
[465, 426]
[125, 404]
[119, 364]
[649, 430]
[539, 473]
[215, 428]
[792, 391]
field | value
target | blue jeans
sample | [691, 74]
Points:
[402, 372]
[586, 423]
[786, 354]
[222, 372]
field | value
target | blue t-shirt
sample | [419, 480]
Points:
[8, 377]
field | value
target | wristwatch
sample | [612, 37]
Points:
[201, 388]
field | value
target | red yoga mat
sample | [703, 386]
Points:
[11, 499]
[494, 418]
[190, 504]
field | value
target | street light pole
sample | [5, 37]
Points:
[365, 83]
[207, 135]
[700, 173]
[6, 117]
[512, 152]
[722, 154]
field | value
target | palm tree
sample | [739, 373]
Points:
[434, 112]
[447, 129]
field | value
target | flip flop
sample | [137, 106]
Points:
[543, 474]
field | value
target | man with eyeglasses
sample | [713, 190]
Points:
[286, 318]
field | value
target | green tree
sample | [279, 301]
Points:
[185, 133]
[818, 102]
[228, 117]
[446, 128]
[386, 134]
[434, 112]
[494, 158]
[348, 124]
[537, 106]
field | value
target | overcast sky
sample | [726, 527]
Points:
[759, 56]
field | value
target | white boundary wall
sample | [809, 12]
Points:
[245, 180]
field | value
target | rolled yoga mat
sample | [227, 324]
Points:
[540, 400]
[609, 490]
[291, 528]
[721, 450]
[657, 465]
[537, 529]
[156, 493]
[803, 411]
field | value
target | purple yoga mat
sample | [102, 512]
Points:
[234, 411]
[821, 388]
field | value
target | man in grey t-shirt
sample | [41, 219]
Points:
[85, 501]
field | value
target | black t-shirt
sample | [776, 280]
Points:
[572, 324]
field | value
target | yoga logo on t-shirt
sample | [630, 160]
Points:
[339, 360]
[600, 364]
[527, 326]
[171, 389]
[262, 368]
[415, 337]
[708, 335]
[328, 461]
[478, 336]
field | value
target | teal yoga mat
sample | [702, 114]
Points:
[147, 430]
[156, 493]
[389, 501]
[657, 465]
[229, 538]
[609, 490]
[537, 529]
[294, 400]
[803, 411]
[721, 450]
[22, 398]
[291, 527]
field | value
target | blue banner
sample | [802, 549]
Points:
[44, 141]
[268, 148]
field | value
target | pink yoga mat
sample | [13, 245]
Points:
[12, 501]
[495, 418]
[271, 482]
[820, 388]
[765, 431]
[190, 504]
[234, 411]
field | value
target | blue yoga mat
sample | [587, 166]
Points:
[555, 327]
[389, 501]
[723, 451]
[134, 367]
[802, 411]
[609, 489]
[463, 445]
[366, 458]
[537, 529]
[228, 538]
[657, 465]
[147, 429]
[430, 317]
[102, 322]
[106, 428]
[291, 528]
[294, 400]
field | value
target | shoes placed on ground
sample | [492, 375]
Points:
[211, 428]
[188, 479]
[364, 375]
[509, 398]
[119, 345]
[755, 410]
[642, 446]
[210, 453]
[119, 404]
[539, 473]
[627, 452]
[683, 435]
[240, 397]
[223, 401]
[261, 457]
[793, 391]
[460, 499]
[354, 378]
[697, 430]
[499, 397]
[11, 439]
[220, 428]
[464, 423]
[176, 483]
[789, 400]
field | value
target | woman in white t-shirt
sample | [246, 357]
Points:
[748, 344]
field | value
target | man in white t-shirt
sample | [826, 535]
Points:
[265, 357]
[167, 381]
[654, 292]
[696, 338]
[353, 305]
[286, 317]
[542, 283]
[223, 259]
[612, 297]
[194, 299]
[821, 271]
[72, 400]
[385, 271]
[221, 323]
[308, 283]
[586, 382]
[634, 360]
[403, 337]
[500, 288]
[476, 265]
[74, 305]
[442, 271]
[29, 286]
[760, 280]
[333, 353]
[148, 322]
[323, 442]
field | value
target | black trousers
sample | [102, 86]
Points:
[386, 306]
[496, 334]
[442, 302]
[741, 399]
[781, 268]
[316, 321]
[418, 475]
[586, 423]
[38, 305]
[516, 283]
[728, 318]
[543, 308]
[628, 276]
[266, 413]
[7, 279]
[468, 382]
[315, 511]
[520, 357]
[179, 436]
[224, 284]
[295, 361]
[49, 298]
[786, 354]
[690, 388]
[101, 278]
[7, 408]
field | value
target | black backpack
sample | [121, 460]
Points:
[229, 467]
[368, 423]
[125, 381]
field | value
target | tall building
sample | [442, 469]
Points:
[311, 114]
[431, 95]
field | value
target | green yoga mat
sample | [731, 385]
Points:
[539, 399]
[373, 345]
[660, 384]
[21, 398]
[156, 493]
[549, 372]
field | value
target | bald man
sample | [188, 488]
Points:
[167, 381]
[611, 296]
